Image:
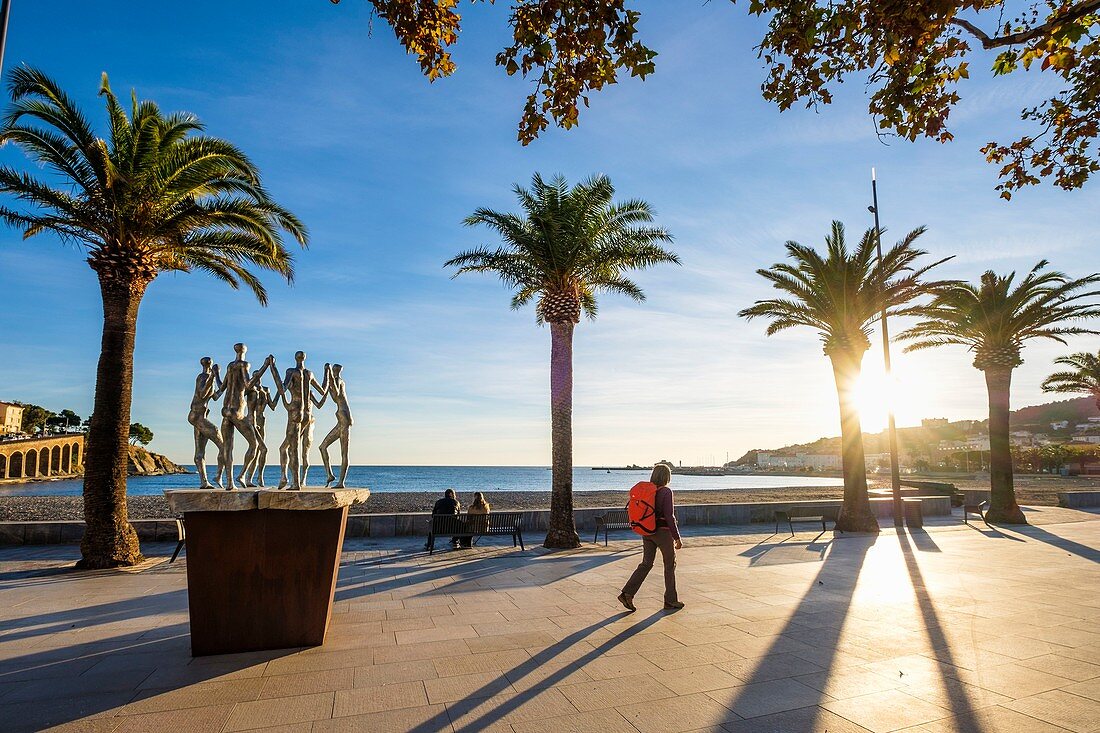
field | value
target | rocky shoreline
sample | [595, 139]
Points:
[1030, 490]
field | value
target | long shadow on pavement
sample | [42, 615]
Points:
[831, 591]
[498, 710]
[383, 578]
[1071, 547]
[960, 705]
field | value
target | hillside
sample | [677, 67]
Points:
[919, 439]
[1075, 410]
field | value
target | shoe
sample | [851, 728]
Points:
[627, 601]
[674, 606]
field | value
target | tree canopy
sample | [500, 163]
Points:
[140, 434]
[912, 56]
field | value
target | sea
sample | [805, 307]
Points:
[437, 478]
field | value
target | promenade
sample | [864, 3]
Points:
[950, 629]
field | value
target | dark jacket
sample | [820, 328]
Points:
[446, 505]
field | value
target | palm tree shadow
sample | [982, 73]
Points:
[500, 710]
[1049, 538]
[831, 591]
[60, 684]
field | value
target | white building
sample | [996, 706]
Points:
[11, 418]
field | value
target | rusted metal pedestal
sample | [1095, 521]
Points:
[261, 565]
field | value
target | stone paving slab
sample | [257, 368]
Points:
[954, 628]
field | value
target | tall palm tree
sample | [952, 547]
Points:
[994, 319]
[567, 245]
[1082, 378]
[155, 196]
[841, 294]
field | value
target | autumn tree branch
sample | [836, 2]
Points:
[1012, 39]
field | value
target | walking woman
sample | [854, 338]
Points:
[666, 539]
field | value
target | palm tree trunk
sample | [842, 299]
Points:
[855, 514]
[562, 532]
[109, 540]
[1002, 503]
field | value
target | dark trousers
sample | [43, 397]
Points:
[662, 540]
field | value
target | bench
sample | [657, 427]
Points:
[614, 519]
[978, 509]
[477, 525]
[806, 514]
[182, 538]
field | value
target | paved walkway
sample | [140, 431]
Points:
[953, 629]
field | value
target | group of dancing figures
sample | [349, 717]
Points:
[245, 400]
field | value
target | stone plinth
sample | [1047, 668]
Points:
[311, 499]
[261, 565]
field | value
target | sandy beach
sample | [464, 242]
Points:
[1033, 490]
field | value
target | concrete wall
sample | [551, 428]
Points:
[1079, 499]
[535, 521]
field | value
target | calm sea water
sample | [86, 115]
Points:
[438, 478]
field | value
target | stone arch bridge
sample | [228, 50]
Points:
[56, 455]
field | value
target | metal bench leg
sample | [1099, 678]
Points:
[790, 526]
[606, 531]
[520, 536]
[596, 537]
[179, 546]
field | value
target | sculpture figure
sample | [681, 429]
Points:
[238, 380]
[337, 389]
[296, 391]
[259, 399]
[207, 385]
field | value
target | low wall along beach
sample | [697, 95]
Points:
[410, 524]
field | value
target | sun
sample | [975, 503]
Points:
[875, 393]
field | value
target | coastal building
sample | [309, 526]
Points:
[11, 418]
[1059, 425]
[56, 455]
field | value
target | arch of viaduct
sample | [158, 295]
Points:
[56, 455]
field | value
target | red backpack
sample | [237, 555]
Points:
[641, 509]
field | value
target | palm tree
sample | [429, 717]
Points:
[154, 196]
[841, 294]
[567, 245]
[994, 319]
[1083, 378]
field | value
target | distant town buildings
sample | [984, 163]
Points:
[798, 461]
[934, 422]
[11, 418]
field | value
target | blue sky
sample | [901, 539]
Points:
[383, 166]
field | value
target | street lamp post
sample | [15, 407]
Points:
[5, 7]
[895, 469]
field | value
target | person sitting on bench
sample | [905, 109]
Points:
[447, 505]
[477, 525]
